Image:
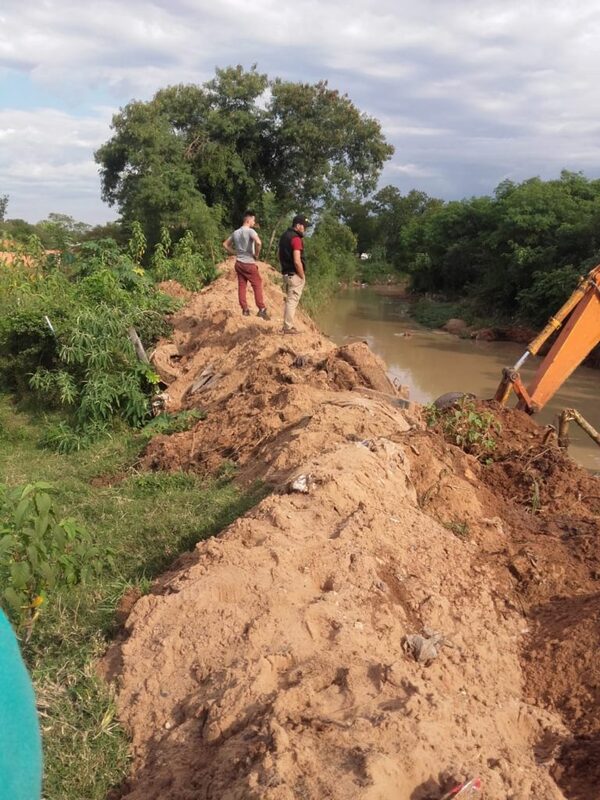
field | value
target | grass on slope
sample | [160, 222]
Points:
[147, 520]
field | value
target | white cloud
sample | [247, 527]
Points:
[467, 91]
[46, 163]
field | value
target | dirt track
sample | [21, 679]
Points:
[271, 662]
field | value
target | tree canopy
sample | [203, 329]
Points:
[198, 153]
[518, 252]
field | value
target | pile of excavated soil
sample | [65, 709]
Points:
[274, 663]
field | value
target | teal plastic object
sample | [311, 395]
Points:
[20, 743]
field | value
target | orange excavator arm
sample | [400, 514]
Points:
[577, 339]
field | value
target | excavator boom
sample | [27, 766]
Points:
[576, 340]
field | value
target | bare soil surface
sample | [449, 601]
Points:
[272, 662]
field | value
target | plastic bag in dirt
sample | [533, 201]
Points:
[465, 791]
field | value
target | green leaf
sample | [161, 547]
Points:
[7, 543]
[48, 573]
[43, 502]
[20, 573]
[21, 511]
[14, 599]
[44, 486]
[70, 528]
[59, 538]
[32, 555]
[41, 525]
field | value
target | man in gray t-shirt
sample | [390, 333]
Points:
[245, 244]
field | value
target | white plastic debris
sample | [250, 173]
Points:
[301, 484]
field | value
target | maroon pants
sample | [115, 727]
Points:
[245, 273]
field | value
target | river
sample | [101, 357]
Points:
[432, 362]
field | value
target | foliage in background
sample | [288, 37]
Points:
[518, 253]
[57, 231]
[64, 330]
[435, 313]
[472, 429]
[194, 153]
[331, 260]
[377, 268]
[183, 262]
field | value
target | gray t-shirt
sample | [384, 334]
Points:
[243, 244]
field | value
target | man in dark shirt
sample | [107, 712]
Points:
[293, 268]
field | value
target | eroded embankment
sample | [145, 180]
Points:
[271, 662]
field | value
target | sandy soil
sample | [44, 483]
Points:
[273, 661]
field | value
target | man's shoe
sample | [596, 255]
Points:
[246, 312]
[291, 331]
[263, 314]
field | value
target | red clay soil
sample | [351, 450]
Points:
[272, 662]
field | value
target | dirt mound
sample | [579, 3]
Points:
[255, 383]
[175, 289]
[276, 661]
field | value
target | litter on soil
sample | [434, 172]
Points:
[271, 662]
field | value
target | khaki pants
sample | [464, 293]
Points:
[294, 285]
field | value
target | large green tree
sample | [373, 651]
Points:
[194, 153]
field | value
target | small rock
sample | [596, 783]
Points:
[455, 326]
[424, 649]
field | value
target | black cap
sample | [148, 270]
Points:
[300, 219]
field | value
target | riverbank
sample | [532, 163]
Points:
[461, 319]
[277, 660]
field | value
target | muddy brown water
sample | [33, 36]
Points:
[432, 362]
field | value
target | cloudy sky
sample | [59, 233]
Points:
[469, 93]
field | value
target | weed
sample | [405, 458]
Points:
[466, 427]
[173, 423]
[38, 552]
[227, 472]
[64, 438]
[156, 483]
[535, 502]
[460, 529]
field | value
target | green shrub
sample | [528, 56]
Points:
[467, 427]
[39, 553]
[547, 293]
[182, 263]
[64, 339]
[331, 260]
[434, 313]
[173, 423]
